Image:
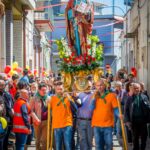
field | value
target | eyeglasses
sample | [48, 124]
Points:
[58, 83]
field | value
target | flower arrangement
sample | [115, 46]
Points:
[87, 61]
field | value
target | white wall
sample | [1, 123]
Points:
[29, 39]
[18, 41]
[2, 44]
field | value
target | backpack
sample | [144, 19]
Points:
[2, 106]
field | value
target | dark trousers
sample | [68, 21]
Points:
[30, 136]
[139, 131]
[5, 144]
[85, 132]
[129, 135]
[1, 142]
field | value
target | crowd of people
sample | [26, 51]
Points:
[92, 115]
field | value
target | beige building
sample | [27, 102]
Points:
[2, 36]
[16, 27]
[136, 44]
[43, 20]
[23, 34]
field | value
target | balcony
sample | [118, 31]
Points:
[42, 23]
[44, 16]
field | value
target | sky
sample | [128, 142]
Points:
[118, 10]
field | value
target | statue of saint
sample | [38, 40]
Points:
[79, 19]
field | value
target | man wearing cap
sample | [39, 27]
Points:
[62, 120]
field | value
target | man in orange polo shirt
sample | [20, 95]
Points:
[61, 118]
[105, 104]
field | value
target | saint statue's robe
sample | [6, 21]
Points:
[79, 25]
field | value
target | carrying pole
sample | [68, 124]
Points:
[48, 127]
[122, 127]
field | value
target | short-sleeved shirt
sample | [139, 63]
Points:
[103, 114]
[61, 115]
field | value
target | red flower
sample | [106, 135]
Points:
[93, 59]
[81, 57]
[70, 58]
[89, 57]
[89, 62]
[73, 54]
[85, 54]
[74, 63]
[65, 59]
[134, 71]
[76, 58]
[88, 46]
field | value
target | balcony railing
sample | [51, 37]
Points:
[46, 13]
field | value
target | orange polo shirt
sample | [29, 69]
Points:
[61, 116]
[103, 114]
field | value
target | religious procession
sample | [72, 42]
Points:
[71, 95]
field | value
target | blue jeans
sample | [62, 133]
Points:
[85, 132]
[103, 138]
[63, 136]
[21, 139]
[115, 125]
[119, 131]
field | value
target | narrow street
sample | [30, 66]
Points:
[115, 147]
[75, 67]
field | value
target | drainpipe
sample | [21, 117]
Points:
[24, 39]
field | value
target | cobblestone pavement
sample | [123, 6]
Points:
[115, 147]
[115, 142]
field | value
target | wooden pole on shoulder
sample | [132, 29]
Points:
[48, 127]
[125, 145]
